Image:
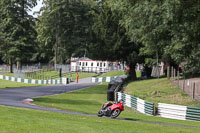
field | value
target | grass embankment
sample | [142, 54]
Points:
[25, 120]
[117, 73]
[90, 100]
[11, 84]
[160, 91]
[54, 75]
[112, 74]
[81, 75]
[7, 74]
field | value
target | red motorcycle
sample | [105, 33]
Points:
[111, 110]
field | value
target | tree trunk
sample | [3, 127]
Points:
[57, 39]
[19, 65]
[11, 65]
[132, 72]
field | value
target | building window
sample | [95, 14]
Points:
[104, 64]
[100, 64]
[83, 63]
[86, 63]
[80, 63]
[97, 64]
[92, 64]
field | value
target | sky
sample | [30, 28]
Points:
[36, 8]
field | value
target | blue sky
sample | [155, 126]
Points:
[36, 8]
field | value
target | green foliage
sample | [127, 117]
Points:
[110, 41]
[63, 27]
[17, 30]
[168, 28]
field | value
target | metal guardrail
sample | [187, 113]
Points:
[103, 79]
[137, 103]
[34, 81]
[163, 110]
[178, 112]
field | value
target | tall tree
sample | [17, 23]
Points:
[167, 29]
[64, 28]
[18, 30]
[110, 41]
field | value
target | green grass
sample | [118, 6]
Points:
[7, 74]
[11, 84]
[18, 120]
[81, 75]
[55, 73]
[113, 73]
[167, 92]
[90, 100]
[118, 73]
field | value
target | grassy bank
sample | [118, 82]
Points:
[160, 90]
[25, 120]
[112, 74]
[118, 73]
[90, 100]
[53, 75]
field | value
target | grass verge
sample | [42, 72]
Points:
[54, 74]
[90, 100]
[160, 91]
[11, 84]
[118, 73]
[112, 74]
[25, 120]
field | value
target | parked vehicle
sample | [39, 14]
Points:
[111, 110]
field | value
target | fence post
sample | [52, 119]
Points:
[178, 77]
[193, 91]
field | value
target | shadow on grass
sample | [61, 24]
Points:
[128, 119]
[66, 101]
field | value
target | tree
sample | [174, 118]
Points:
[168, 29]
[18, 30]
[110, 41]
[64, 28]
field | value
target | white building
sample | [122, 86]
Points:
[88, 65]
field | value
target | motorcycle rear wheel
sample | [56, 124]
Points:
[115, 113]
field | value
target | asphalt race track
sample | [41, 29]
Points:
[16, 97]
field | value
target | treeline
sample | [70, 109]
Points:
[132, 31]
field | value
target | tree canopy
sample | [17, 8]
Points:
[131, 31]
[17, 30]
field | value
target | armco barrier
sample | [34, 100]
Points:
[34, 81]
[102, 79]
[193, 113]
[172, 111]
[178, 112]
[137, 103]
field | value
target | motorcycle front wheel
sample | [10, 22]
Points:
[115, 113]
[100, 113]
